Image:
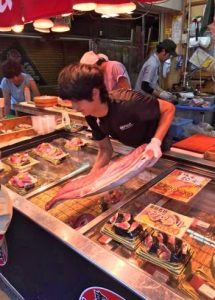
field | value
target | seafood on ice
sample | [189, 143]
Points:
[124, 224]
[23, 180]
[19, 159]
[75, 144]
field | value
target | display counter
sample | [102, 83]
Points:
[51, 258]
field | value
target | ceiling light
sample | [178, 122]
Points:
[84, 5]
[61, 24]
[4, 29]
[43, 23]
[43, 30]
[18, 28]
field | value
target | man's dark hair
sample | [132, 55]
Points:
[100, 61]
[77, 81]
[168, 45]
[11, 68]
[159, 48]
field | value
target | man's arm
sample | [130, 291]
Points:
[123, 83]
[34, 89]
[167, 111]
[120, 74]
[6, 96]
[104, 153]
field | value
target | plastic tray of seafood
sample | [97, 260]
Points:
[152, 245]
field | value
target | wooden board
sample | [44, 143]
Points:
[15, 135]
[10, 124]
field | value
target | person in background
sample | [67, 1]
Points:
[147, 80]
[125, 115]
[115, 73]
[14, 83]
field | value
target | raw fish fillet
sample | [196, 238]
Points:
[114, 174]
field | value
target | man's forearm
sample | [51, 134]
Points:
[104, 154]
[123, 83]
[145, 86]
[167, 111]
[6, 105]
[102, 159]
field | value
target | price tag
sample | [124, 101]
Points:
[207, 291]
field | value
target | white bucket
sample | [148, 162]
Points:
[44, 124]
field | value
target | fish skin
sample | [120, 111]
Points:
[105, 178]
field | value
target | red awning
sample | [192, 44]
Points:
[10, 13]
[36, 9]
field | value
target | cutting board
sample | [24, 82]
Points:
[199, 143]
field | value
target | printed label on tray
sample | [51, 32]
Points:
[180, 185]
[191, 178]
[207, 291]
[201, 224]
[164, 220]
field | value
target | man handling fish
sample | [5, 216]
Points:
[125, 115]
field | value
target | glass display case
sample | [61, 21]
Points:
[183, 269]
[192, 276]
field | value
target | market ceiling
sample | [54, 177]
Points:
[15, 12]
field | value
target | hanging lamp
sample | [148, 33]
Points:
[110, 9]
[84, 5]
[43, 30]
[5, 29]
[18, 28]
[61, 24]
[43, 23]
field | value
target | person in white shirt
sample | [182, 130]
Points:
[147, 80]
[115, 73]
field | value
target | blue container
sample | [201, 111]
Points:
[177, 127]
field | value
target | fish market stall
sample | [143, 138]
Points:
[100, 240]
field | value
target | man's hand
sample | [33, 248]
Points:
[166, 96]
[155, 147]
